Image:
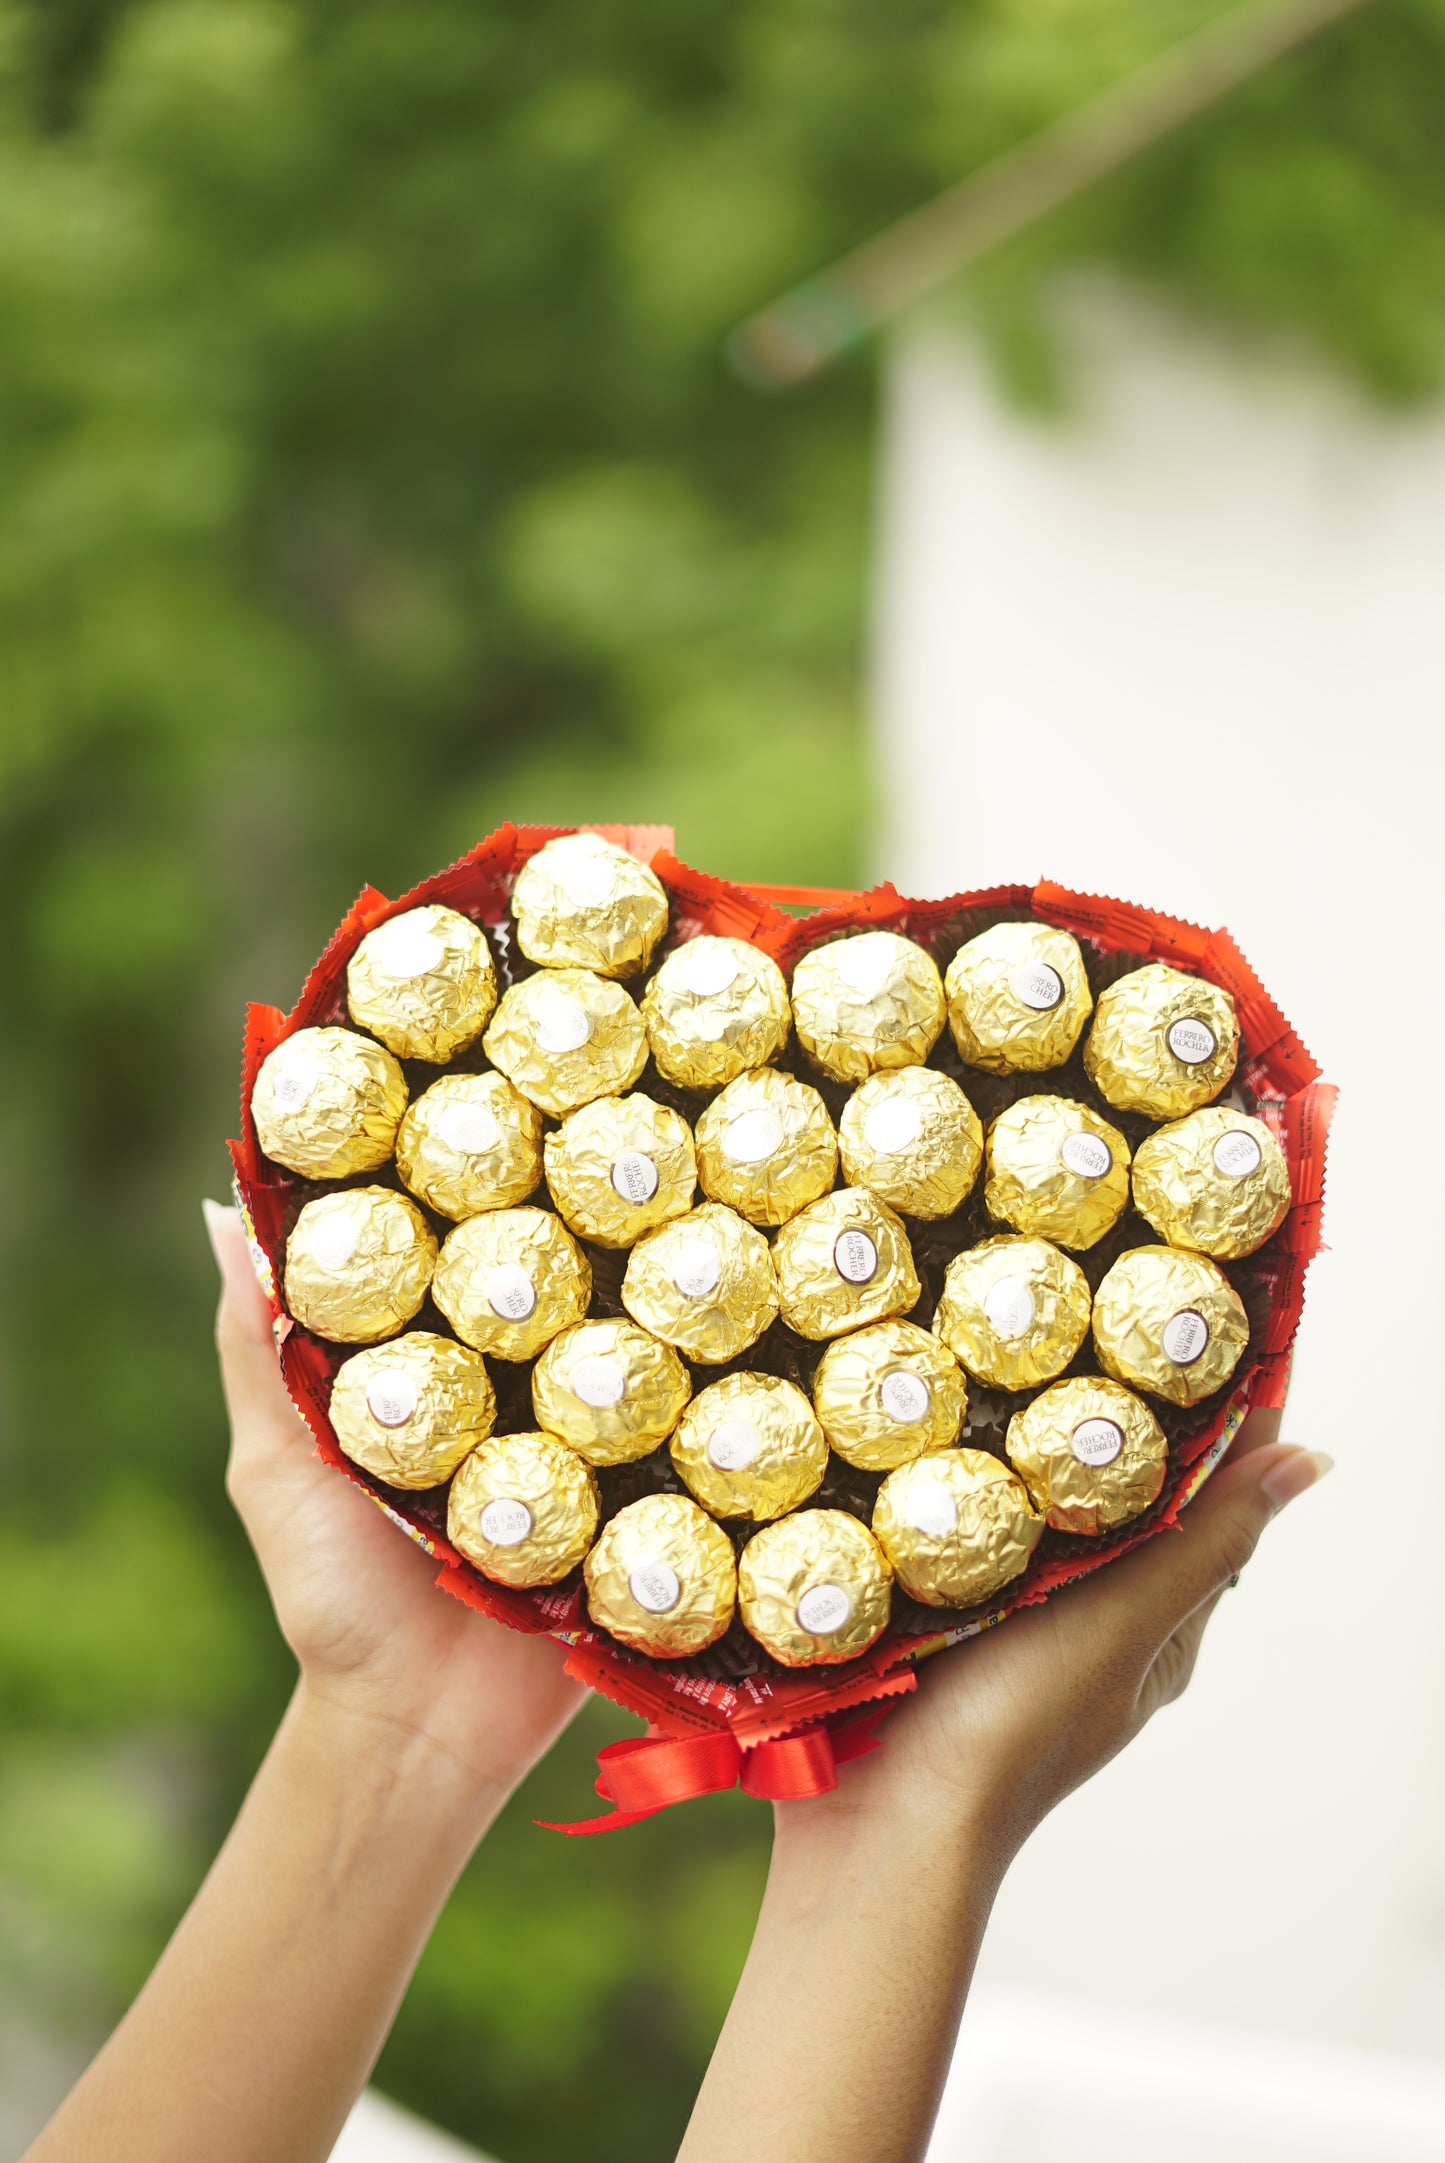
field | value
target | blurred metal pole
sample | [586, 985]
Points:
[795, 336]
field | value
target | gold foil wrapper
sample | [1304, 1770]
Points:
[510, 1281]
[957, 1527]
[409, 1411]
[662, 1578]
[1169, 1322]
[749, 1446]
[619, 1167]
[327, 1103]
[867, 1003]
[1091, 1454]
[814, 1588]
[1216, 1181]
[766, 1147]
[610, 1391]
[1162, 1043]
[887, 1394]
[1056, 1170]
[843, 1262]
[1018, 998]
[1013, 1311]
[565, 1036]
[583, 903]
[704, 1282]
[523, 1509]
[715, 1008]
[470, 1143]
[358, 1264]
[424, 982]
[913, 1139]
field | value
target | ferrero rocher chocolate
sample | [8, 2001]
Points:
[1056, 1170]
[766, 1146]
[913, 1139]
[1162, 1043]
[1216, 1181]
[956, 1525]
[749, 1446]
[508, 1282]
[358, 1264]
[565, 1036]
[866, 1003]
[327, 1103]
[715, 1008]
[409, 1411]
[704, 1282]
[1013, 1311]
[619, 1167]
[609, 1390]
[1017, 998]
[470, 1143]
[1169, 1322]
[814, 1588]
[843, 1262]
[1091, 1454]
[424, 982]
[581, 902]
[523, 1509]
[888, 1393]
[662, 1578]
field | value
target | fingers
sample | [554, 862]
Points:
[263, 1418]
[1261, 1427]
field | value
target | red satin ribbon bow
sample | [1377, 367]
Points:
[654, 1771]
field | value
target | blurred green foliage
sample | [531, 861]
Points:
[370, 475]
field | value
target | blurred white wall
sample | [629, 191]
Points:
[1187, 646]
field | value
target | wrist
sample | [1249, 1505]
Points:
[389, 1774]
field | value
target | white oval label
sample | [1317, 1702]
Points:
[855, 1257]
[469, 1129]
[894, 1124]
[905, 1397]
[823, 1610]
[295, 1082]
[1096, 1441]
[404, 949]
[563, 1024]
[752, 1136]
[391, 1397]
[707, 970]
[1237, 1154]
[588, 881]
[1184, 1337]
[634, 1176]
[931, 1509]
[865, 964]
[1009, 1305]
[1038, 986]
[598, 1382]
[333, 1242]
[506, 1522]
[1086, 1155]
[696, 1269]
[733, 1444]
[510, 1292]
[1192, 1041]
[655, 1586]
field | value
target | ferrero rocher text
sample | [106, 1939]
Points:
[1056, 1170]
[1090, 1453]
[843, 1262]
[508, 1282]
[662, 1578]
[1216, 1181]
[619, 1167]
[888, 1393]
[1018, 998]
[1169, 1322]
[1162, 1043]
[814, 1588]
[523, 1509]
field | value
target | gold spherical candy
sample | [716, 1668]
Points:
[749, 1446]
[509, 1281]
[619, 1167]
[888, 1393]
[843, 1262]
[565, 1036]
[358, 1264]
[1162, 1043]
[1017, 998]
[956, 1525]
[409, 1411]
[814, 1588]
[704, 1282]
[609, 1390]
[327, 1103]
[1216, 1181]
[913, 1139]
[662, 1578]
[1169, 1322]
[865, 1003]
[1013, 1311]
[470, 1143]
[1091, 1454]
[424, 982]
[581, 902]
[1056, 1170]
[715, 1008]
[766, 1146]
[523, 1509]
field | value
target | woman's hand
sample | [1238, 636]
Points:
[377, 1643]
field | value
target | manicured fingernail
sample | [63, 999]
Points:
[214, 1215]
[1292, 1475]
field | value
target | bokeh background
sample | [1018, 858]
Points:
[370, 472]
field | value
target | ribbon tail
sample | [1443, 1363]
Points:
[652, 1772]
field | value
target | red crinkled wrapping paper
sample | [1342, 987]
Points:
[781, 1735]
